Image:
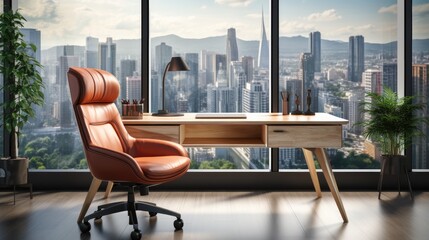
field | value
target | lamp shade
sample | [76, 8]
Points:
[177, 64]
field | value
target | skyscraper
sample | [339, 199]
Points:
[420, 146]
[248, 67]
[91, 52]
[263, 52]
[356, 63]
[133, 87]
[231, 51]
[163, 54]
[390, 76]
[107, 56]
[32, 36]
[372, 81]
[255, 97]
[191, 82]
[315, 49]
[306, 73]
[66, 117]
[128, 67]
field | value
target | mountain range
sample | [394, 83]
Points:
[288, 45]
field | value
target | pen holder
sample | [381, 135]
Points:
[132, 111]
[285, 107]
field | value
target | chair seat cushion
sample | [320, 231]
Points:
[163, 168]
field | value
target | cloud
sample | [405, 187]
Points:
[295, 28]
[39, 10]
[234, 3]
[390, 9]
[421, 9]
[325, 16]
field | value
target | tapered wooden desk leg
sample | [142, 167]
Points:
[108, 189]
[330, 179]
[308, 155]
[95, 184]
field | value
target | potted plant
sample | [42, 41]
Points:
[392, 123]
[22, 86]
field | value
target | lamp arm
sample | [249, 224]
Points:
[163, 84]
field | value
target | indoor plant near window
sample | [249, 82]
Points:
[392, 123]
[22, 86]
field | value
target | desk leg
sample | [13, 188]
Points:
[95, 184]
[330, 179]
[308, 155]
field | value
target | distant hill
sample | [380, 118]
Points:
[288, 45]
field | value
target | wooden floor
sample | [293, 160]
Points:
[223, 216]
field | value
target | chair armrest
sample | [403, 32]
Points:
[147, 147]
[106, 164]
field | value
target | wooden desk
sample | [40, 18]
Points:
[311, 133]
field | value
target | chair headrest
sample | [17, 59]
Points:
[90, 85]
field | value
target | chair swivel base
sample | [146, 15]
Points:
[130, 206]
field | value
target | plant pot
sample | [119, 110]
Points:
[13, 171]
[393, 164]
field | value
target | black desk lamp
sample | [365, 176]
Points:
[175, 64]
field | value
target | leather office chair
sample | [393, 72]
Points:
[113, 155]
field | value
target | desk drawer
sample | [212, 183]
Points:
[163, 132]
[310, 136]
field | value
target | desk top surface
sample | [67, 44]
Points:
[251, 118]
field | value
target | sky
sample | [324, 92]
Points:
[70, 22]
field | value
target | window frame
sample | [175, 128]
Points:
[273, 180]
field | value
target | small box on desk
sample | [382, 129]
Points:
[132, 111]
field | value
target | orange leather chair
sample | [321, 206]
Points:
[113, 155]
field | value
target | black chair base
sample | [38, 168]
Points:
[131, 206]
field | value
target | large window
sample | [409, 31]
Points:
[226, 45]
[100, 34]
[420, 76]
[337, 50]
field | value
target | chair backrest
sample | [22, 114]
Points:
[93, 93]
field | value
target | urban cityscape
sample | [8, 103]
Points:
[235, 79]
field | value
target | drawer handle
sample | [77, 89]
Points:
[279, 131]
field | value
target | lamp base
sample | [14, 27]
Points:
[164, 113]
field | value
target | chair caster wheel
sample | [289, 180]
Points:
[178, 224]
[84, 227]
[136, 235]
[152, 214]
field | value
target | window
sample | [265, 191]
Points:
[420, 75]
[337, 51]
[226, 45]
[104, 34]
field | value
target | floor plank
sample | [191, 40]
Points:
[223, 215]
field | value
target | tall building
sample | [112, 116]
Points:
[263, 51]
[31, 35]
[372, 81]
[128, 67]
[133, 87]
[315, 49]
[191, 82]
[306, 73]
[107, 56]
[390, 76]
[231, 51]
[248, 67]
[356, 62]
[91, 52]
[163, 54]
[255, 98]
[66, 117]
[420, 146]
